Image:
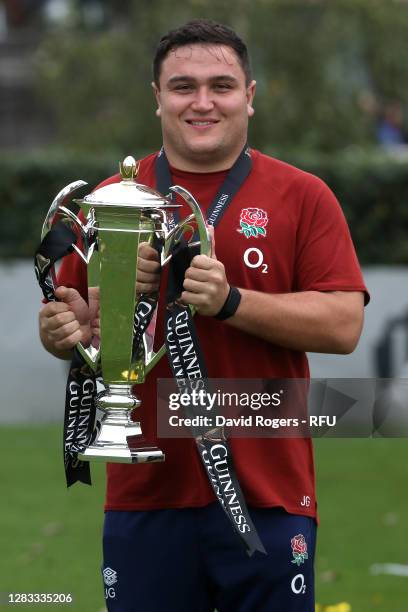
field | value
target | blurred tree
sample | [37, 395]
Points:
[316, 62]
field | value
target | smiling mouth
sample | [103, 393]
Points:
[198, 123]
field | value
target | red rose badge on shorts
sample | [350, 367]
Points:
[253, 222]
[299, 549]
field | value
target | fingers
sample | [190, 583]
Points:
[147, 282]
[68, 295]
[205, 285]
[94, 310]
[147, 265]
[93, 303]
[148, 269]
[205, 269]
[203, 262]
[63, 338]
[208, 302]
[76, 303]
[54, 318]
[96, 327]
[93, 293]
[64, 332]
[147, 253]
[59, 327]
[53, 308]
[68, 342]
[65, 323]
[147, 287]
[204, 276]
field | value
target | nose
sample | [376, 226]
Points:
[202, 102]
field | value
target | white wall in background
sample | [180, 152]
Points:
[32, 383]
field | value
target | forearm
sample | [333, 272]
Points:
[324, 322]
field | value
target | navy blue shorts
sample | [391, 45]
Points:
[189, 560]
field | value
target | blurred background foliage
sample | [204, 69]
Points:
[372, 188]
[322, 68]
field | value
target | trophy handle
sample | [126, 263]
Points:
[58, 209]
[59, 201]
[204, 237]
[204, 242]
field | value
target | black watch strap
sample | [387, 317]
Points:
[230, 305]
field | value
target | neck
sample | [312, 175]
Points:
[202, 163]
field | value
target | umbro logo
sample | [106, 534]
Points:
[110, 577]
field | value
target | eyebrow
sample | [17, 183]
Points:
[186, 79]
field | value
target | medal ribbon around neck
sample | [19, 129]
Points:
[187, 360]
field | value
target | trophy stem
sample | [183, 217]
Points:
[111, 443]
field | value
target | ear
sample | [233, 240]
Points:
[250, 93]
[156, 92]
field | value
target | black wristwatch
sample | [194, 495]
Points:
[230, 305]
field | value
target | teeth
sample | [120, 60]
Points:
[201, 122]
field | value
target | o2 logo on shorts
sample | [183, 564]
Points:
[298, 585]
[254, 258]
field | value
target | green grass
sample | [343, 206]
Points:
[363, 506]
[50, 537]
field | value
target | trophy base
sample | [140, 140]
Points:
[112, 445]
[122, 454]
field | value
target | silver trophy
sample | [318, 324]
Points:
[118, 217]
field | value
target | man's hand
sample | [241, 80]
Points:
[64, 323]
[148, 269]
[70, 320]
[206, 286]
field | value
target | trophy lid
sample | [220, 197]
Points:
[127, 192]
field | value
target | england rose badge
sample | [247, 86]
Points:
[299, 549]
[253, 222]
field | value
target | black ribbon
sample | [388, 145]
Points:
[80, 428]
[57, 243]
[144, 311]
[232, 184]
[187, 361]
[79, 418]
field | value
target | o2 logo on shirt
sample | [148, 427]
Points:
[254, 258]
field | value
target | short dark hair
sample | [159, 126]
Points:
[202, 31]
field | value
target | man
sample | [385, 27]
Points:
[284, 243]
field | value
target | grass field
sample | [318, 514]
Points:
[363, 505]
[50, 537]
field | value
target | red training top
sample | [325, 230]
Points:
[305, 245]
